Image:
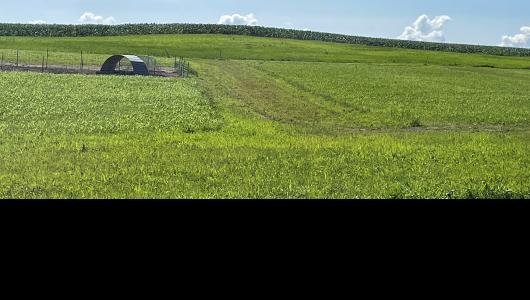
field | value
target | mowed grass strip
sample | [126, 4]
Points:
[398, 96]
[74, 104]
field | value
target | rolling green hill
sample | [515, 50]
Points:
[58, 30]
[251, 48]
[266, 117]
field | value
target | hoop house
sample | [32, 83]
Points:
[138, 65]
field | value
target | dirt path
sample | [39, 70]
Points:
[64, 69]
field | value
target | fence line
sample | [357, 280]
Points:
[87, 63]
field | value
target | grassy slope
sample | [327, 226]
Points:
[244, 47]
[285, 132]
[345, 97]
[64, 143]
[383, 96]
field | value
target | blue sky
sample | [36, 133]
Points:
[471, 21]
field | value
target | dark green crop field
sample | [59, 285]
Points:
[266, 118]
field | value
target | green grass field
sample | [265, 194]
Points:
[401, 96]
[249, 48]
[272, 118]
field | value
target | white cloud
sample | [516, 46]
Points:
[291, 25]
[90, 18]
[38, 22]
[237, 19]
[518, 40]
[426, 29]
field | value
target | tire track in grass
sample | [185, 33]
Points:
[261, 94]
[327, 99]
[271, 96]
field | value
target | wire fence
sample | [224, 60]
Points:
[182, 67]
[87, 63]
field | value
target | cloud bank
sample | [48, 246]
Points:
[38, 22]
[237, 19]
[426, 29]
[91, 18]
[518, 40]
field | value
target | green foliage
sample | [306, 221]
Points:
[42, 104]
[141, 29]
[261, 129]
[232, 163]
[415, 123]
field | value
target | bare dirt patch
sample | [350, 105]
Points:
[86, 70]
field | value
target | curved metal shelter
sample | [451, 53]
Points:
[139, 66]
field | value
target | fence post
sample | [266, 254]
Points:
[43, 64]
[17, 58]
[188, 72]
[47, 57]
[81, 61]
[2, 66]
